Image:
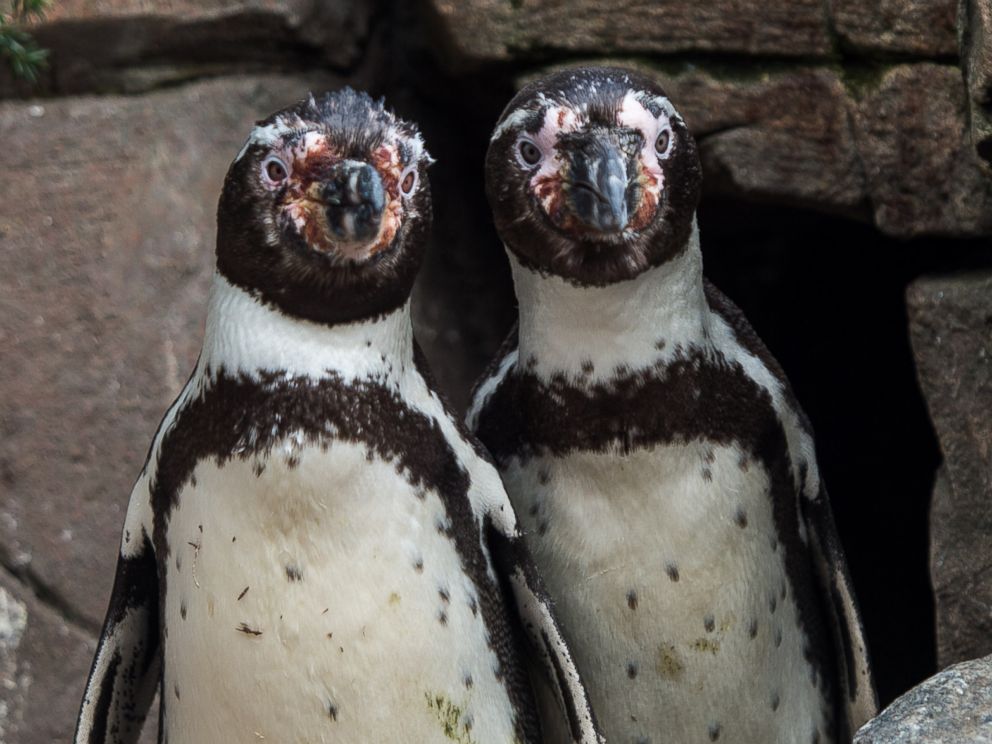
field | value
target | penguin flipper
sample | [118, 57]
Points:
[536, 613]
[126, 667]
[856, 685]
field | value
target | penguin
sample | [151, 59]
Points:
[316, 550]
[663, 471]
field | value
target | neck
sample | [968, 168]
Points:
[591, 334]
[245, 336]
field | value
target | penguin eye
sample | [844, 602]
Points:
[664, 140]
[274, 170]
[529, 152]
[408, 181]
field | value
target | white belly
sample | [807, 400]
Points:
[672, 592]
[320, 603]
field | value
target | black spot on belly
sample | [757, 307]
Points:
[418, 565]
[776, 700]
[243, 593]
[182, 609]
[709, 623]
[587, 367]
[468, 681]
[259, 468]
[632, 669]
[778, 637]
[707, 475]
[175, 690]
[714, 731]
[332, 711]
[752, 628]
[473, 606]
[542, 527]
[442, 617]
[660, 344]
[632, 599]
[543, 476]
[443, 594]
[672, 569]
[740, 518]
[773, 603]
[293, 572]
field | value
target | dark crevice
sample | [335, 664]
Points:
[32, 583]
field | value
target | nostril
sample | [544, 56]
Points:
[354, 184]
[589, 188]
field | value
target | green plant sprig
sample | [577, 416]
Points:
[17, 46]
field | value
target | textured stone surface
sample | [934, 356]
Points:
[924, 28]
[478, 31]
[975, 36]
[951, 333]
[44, 661]
[106, 247]
[952, 707]
[98, 45]
[783, 135]
[923, 175]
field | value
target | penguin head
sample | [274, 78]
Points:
[326, 209]
[592, 175]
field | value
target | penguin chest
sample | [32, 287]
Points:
[670, 582]
[316, 596]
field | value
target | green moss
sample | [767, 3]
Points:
[449, 716]
[705, 645]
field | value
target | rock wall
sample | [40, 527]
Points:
[951, 331]
[863, 114]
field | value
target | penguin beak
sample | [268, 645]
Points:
[354, 201]
[597, 184]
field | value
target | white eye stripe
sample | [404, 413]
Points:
[514, 120]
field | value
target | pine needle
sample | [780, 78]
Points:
[17, 46]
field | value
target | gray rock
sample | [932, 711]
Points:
[132, 45]
[923, 177]
[952, 707]
[975, 37]
[924, 28]
[44, 661]
[951, 333]
[781, 135]
[106, 249]
[482, 31]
